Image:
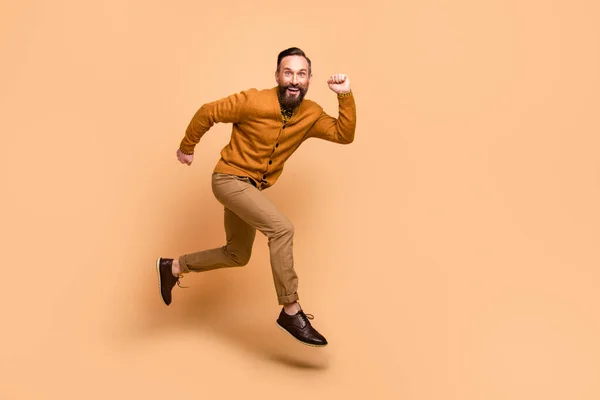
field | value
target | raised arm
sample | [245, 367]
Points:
[338, 130]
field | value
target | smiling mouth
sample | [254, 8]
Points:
[293, 90]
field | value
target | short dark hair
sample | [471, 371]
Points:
[292, 51]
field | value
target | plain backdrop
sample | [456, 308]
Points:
[449, 253]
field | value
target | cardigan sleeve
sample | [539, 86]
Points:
[338, 130]
[230, 109]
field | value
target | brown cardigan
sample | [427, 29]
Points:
[260, 141]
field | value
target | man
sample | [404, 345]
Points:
[268, 126]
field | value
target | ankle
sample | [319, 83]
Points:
[291, 308]
[175, 268]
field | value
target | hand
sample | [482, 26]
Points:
[339, 83]
[185, 158]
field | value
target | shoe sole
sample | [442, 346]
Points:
[304, 343]
[159, 281]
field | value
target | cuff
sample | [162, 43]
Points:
[183, 265]
[187, 150]
[346, 94]
[288, 299]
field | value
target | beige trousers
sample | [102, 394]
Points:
[246, 211]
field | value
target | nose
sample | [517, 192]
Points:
[295, 79]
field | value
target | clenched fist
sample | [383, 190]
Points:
[185, 158]
[339, 83]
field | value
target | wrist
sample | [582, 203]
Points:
[344, 94]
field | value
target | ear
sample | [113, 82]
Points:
[276, 77]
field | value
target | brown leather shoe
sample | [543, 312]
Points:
[298, 325]
[166, 280]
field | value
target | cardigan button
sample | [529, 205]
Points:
[270, 162]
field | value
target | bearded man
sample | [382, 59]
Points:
[267, 127]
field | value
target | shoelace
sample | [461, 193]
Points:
[309, 316]
[306, 316]
[179, 284]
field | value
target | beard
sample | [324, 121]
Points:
[291, 101]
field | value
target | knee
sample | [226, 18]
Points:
[244, 259]
[286, 229]
[240, 258]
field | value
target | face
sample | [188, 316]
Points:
[292, 80]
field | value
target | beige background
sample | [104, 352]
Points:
[450, 252]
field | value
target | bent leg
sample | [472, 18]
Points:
[254, 208]
[236, 253]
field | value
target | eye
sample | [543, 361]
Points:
[287, 73]
[302, 74]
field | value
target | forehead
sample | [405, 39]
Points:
[294, 63]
